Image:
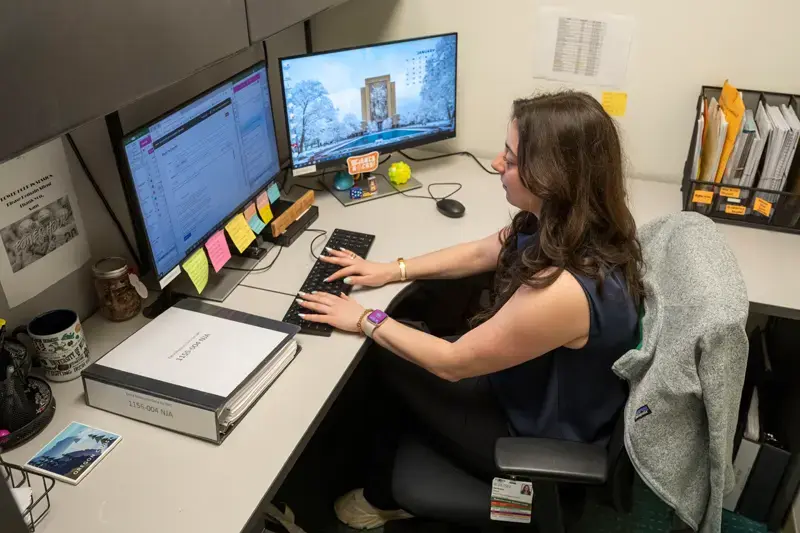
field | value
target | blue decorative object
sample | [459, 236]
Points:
[342, 181]
[356, 193]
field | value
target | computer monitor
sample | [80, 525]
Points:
[193, 168]
[383, 97]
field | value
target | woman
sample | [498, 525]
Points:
[567, 288]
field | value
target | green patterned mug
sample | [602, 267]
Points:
[59, 344]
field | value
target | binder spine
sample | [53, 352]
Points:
[169, 414]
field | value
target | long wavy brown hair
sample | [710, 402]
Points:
[570, 156]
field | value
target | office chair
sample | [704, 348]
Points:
[430, 486]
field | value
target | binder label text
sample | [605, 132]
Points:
[703, 197]
[735, 209]
[762, 206]
[729, 192]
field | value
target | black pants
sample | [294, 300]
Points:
[461, 420]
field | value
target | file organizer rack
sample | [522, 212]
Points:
[739, 205]
[16, 477]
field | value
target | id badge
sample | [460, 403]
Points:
[512, 500]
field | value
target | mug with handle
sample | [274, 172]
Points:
[59, 343]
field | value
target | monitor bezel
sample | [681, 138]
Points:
[419, 141]
[134, 206]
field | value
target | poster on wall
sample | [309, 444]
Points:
[582, 47]
[43, 235]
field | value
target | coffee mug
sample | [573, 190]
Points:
[59, 344]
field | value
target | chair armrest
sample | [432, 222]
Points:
[552, 460]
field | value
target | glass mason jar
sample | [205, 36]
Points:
[118, 298]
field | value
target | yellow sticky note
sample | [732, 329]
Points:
[240, 233]
[615, 103]
[262, 201]
[197, 268]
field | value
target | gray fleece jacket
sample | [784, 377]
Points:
[686, 378]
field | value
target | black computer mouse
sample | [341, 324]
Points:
[450, 208]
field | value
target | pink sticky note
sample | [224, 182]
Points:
[250, 211]
[218, 251]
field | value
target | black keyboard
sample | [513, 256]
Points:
[359, 243]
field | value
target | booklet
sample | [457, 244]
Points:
[72, 454]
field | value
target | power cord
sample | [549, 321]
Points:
[321, 233]
[268, 290]
[441, 156]
[261, 269]
[99, 192]
[430, 196]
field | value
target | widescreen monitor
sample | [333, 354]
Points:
[384, 97]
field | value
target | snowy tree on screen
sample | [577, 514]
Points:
[351, 125]
[439, 84]
[322, 126]
[301, 101]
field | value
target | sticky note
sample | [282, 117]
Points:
[256, 224]
[273, 192]
[735, 209]
[762, 206]
[614, 103]
[197, 268]
[262, 201]
[703, 197]
[250, 211]
[729, 192]
[240, 232]
[218, 251]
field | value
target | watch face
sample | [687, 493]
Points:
[377, 317]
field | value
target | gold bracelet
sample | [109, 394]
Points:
[402, 263]
[364, 315]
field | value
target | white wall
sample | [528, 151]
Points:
[76, 291]
[677, 47]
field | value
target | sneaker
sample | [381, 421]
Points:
[355, 511]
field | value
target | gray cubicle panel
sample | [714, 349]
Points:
[65, 62]
[267, 17]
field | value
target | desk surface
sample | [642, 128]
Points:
[156, 480]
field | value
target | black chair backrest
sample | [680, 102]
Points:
[619, 486]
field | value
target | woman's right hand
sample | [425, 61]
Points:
[358, 271]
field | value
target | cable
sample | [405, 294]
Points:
[262, 269]
[114, 218]
[441, 156]
[268, 290]
[321, 233]
[430, 196]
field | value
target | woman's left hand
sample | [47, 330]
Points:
[341, 312]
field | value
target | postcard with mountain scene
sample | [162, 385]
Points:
[73, 453]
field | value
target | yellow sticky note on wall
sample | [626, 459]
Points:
[197, 268]
[262, 201]
[240, 232]
[615, 103]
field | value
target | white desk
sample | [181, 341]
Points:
[156, 480]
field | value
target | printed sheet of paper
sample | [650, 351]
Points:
[43, 235]
[197, 269]
[240, 232]
[218, 251]
[579, 47]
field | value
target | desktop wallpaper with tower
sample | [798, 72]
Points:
[362, 99]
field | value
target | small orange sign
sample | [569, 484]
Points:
[703, 197]
[729, 192]
[762, 206]
[735, 209]
[358, 164]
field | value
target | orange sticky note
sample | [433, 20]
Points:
[735, 209]
[615, 103]
[762, 206]
[729, 192]
[249, 211]
[262, 201]
[240, 232]
[197, 268]
[703, 197]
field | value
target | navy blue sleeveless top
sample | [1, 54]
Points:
[573, 394]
